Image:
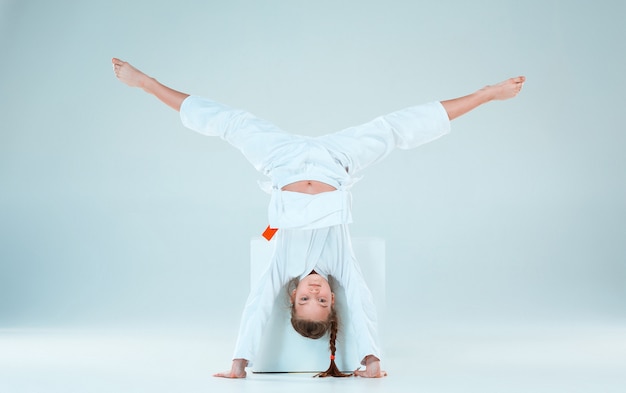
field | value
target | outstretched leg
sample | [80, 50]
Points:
[256, 138]
[361, 146]
[502, 91]
[132, 77]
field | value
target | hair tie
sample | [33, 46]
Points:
[332, 357]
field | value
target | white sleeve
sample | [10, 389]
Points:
[360, 304]
[257, 311]
[362, 311]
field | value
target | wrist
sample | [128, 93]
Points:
[370, 359]
[240, 362]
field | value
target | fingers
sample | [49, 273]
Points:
[228, 374]
[365, 374]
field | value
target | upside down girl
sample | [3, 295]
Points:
[309, 184]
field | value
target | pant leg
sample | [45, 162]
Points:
[358, 147]
[256, 138]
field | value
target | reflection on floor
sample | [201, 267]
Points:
[565, 359]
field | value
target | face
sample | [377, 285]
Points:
[312, 299]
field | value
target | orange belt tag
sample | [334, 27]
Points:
[269, 233]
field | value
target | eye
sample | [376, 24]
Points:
[304, 298]
[322, 300]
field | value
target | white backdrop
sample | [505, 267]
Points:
[111, 213]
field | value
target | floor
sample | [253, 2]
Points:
[530, 359]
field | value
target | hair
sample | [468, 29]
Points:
[317, 329]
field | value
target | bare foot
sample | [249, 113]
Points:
[237, 370]
[128, 74]
[372, 369]
[506, 89]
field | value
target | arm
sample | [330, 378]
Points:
[364, 320]
[256, 313]
[362, 311]
[502, 91]
[132, 77]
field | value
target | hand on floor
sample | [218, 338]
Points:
[237, 370]
[372, 369]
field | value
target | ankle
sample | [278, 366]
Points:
[486, 94]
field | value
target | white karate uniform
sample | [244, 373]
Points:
[313, 232]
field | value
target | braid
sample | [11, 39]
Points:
[333, 335]
[333, 370]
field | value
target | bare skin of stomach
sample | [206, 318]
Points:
[309, 187]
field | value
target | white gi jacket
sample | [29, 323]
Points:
[313, 232]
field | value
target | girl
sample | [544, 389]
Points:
[310, 179]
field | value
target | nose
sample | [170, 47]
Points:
[314, 289]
